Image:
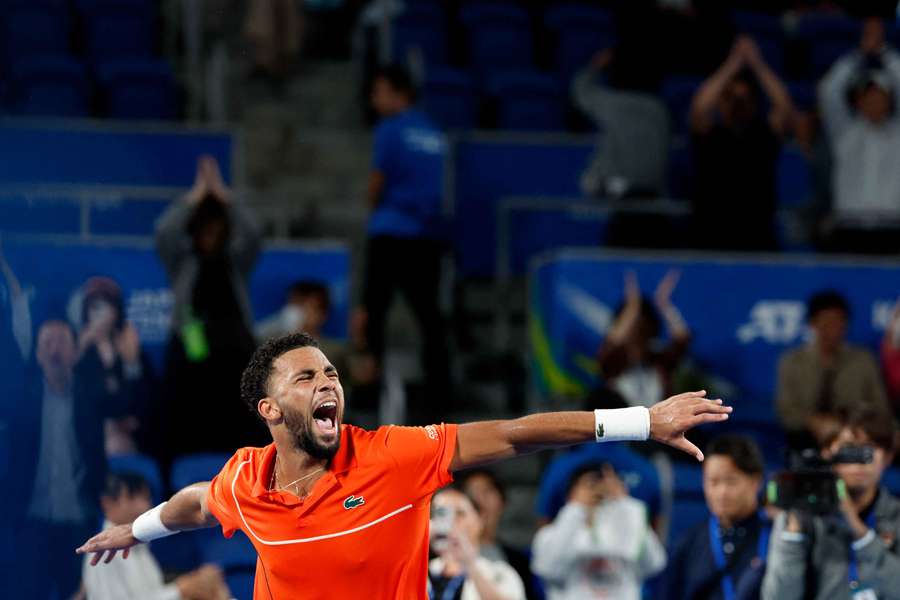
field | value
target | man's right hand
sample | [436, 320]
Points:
[109, 542]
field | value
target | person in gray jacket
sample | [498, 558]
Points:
[853, 554]
[208, 245]
[633, 149]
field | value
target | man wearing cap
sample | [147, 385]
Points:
[857, 97]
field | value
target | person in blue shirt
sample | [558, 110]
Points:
[724, 557]
[405, 238]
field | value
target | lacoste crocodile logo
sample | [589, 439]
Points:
[600, 431]
[353, 501]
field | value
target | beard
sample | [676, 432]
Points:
[301, 429]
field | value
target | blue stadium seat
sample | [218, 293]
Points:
[677, 92]
[115, 29]
[528, 101]
[241, 585]
[192, 468]
[420, 28]
[142, 465]
[891, 480]
[34, 30]
[448, 97]
[680, 176]
[686, 514]
[757, 24]
[688, 481]
[794, 177]
[236, 557]
[580, 32]
[499, 38]
[49, 86]
[138, 89]
[827, 37]
[803, 93]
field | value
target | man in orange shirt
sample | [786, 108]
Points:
[335, 511]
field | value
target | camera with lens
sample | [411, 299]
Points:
[809, 484]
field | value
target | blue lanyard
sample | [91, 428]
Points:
[715, 543]
[451, 589]
[853, 566]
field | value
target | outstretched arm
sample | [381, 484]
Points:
[490, 441]
[186, 510]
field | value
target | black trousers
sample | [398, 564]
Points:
[413, 268]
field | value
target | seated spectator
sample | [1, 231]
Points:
[110, 352]
[208, 244]
[489, 496]
[637, 472]
[826, 375]
[857, 98]
[58, 461]
[458, 571]
[635, 370]
[853, 554]
[736, 147]
[124, 499]
[633, 147]
[600, 545]
[724, 558]
[890, 359]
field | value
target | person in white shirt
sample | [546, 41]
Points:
[600, 545]
[857, 99]
[125, 497]
[459, 572]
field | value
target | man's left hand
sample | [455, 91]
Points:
[671, 418]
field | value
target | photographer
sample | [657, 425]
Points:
[600, 545]
[459, 572]
[852, 553]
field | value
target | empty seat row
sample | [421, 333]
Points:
[500, 36]
[62, 86]
[108, 28]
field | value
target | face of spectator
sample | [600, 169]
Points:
[101, 313]
[466, 520]
[488, 498]
[314, 309]
[860, 478]
[126, 507]
[305, 386]
[211, 237]
[737, 103]
[874, 104]
[731, 494]
[56, 352]
[830, 327]
[386, 100]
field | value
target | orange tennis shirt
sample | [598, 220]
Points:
[362, 532]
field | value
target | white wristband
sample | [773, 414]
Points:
[622, 424]
[149, 526]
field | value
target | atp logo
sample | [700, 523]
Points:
[352, 501]
[775, 322]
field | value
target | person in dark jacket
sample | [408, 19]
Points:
[58, 463]
[724, 557]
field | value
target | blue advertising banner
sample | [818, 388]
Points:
[743, 312]
[52, 273]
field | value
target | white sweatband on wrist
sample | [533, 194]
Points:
[149, 526]
[621, 424]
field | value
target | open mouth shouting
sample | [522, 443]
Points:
[325, 418]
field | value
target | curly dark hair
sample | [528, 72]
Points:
[255, 378]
